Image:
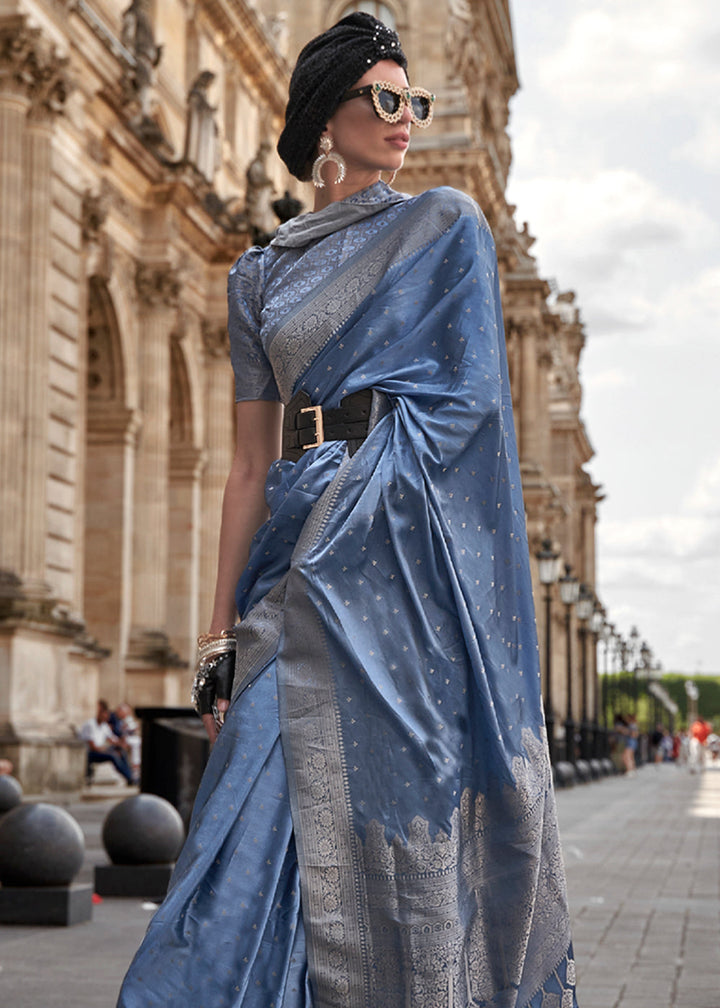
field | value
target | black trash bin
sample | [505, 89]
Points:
[175, 749]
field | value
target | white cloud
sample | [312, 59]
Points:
[704, 497]
[703, 147]
[609, 380]
[614, 212]
[663, 574]
[617, 53]
[661, 542]
[693, 309]
[616, 46]
[631, 252]
[616, 146]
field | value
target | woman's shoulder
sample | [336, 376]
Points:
[446, 201]
[248, 265]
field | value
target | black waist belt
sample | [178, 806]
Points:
[307, 426]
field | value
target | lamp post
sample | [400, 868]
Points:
[611, 663]
[607, 635]
[547, 559]
[597, 624]
[645, 664]
[657, 676]
[653, 679]
[622, 652]
[634, 634]
[584, 609]
[569, 590]
[693, 694]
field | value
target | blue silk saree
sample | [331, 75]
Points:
[376, 825]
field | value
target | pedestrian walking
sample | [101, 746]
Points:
[631, 744]
[700, 730]
[376, 824]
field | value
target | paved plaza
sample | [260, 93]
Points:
[643, 862]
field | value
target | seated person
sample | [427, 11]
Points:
[102, 745]
[123, 724]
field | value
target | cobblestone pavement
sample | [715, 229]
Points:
[643, 863]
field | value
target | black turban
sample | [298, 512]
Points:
[327, 66]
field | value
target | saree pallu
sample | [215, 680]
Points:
[376, 826]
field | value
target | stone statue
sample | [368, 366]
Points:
[137, 36]
[259, 193]
[277, 26]
[201, 132]
[287, 207]
[459, 38]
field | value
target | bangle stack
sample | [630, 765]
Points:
[211, 650]
[210, 645]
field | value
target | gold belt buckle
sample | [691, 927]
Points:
[319, 429]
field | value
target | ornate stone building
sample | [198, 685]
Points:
[136, 162]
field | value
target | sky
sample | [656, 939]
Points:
[616, 169]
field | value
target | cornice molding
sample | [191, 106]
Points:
[245, 37]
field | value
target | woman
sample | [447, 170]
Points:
[376, 825]
[631, 744]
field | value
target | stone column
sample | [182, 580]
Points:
[36, 635]
[158, 290]
[15, 48]
[152, 668]
[48, 97]
[530, 416]
[544, 365]
[33, 89]
[219, 444]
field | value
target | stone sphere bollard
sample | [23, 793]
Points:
[40, 845]
[10, 793]
[143, 830]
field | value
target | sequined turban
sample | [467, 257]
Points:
[327, 66]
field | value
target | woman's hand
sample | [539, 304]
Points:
[213, 723]
[212, 690]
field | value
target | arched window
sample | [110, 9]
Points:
[375, 7]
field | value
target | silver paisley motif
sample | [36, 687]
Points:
[425, 899]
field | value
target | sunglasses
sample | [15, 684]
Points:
[389, 101]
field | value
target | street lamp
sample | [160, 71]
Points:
[569, 590]
[622, 653]
[653, 675]
[634, 634]
[584, 609]
[645, 663]
[547, 559]
[610, 690]
[608, 635]
[597, 624]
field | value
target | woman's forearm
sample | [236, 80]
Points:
[244, 507]
[244, 510]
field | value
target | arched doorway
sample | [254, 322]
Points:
[184, 506]
[111, 430]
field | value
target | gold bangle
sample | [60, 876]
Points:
[213, 648]
[208, 637]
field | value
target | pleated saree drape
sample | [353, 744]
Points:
[376, 827]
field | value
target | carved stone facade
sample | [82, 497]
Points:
[126, 131]
[128, 136]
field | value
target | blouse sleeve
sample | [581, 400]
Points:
[254, 378]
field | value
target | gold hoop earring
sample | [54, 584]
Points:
[326, 155]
